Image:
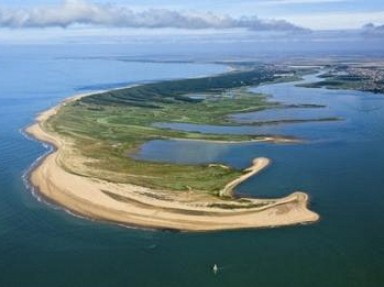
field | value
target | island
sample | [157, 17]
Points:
[92, 172]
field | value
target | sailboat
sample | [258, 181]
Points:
[215, 269]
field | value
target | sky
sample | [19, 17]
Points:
[39, 17]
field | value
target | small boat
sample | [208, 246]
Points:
[215, 269]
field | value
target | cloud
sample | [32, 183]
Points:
[72, 12]
[372, 29]
[336, 20]
[279, 2]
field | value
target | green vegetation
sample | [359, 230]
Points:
[106, 128]
[336, 83]
[237, 206]
[346, 77]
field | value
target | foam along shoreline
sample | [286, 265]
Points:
[140, 206]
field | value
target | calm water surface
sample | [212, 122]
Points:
[341, 166]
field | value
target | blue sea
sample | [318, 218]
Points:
[340, 164]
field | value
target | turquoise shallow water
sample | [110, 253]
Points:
[341, 165]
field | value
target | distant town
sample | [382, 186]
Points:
[364, 78]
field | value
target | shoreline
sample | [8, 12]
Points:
[133, 205]
[259, 164]
[261, 139]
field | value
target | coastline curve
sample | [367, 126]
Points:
[134, 205]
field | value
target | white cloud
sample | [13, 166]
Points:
[72, 12]
[333, 21]
[280, 2]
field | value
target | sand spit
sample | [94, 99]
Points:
[159, 209]
[258, 165]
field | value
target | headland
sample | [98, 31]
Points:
[91, 173]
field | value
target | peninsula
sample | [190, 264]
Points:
[91, 171]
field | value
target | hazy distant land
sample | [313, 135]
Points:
[367, 77]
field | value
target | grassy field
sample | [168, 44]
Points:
[106, 128]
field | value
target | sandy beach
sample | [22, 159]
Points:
[159, 209]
